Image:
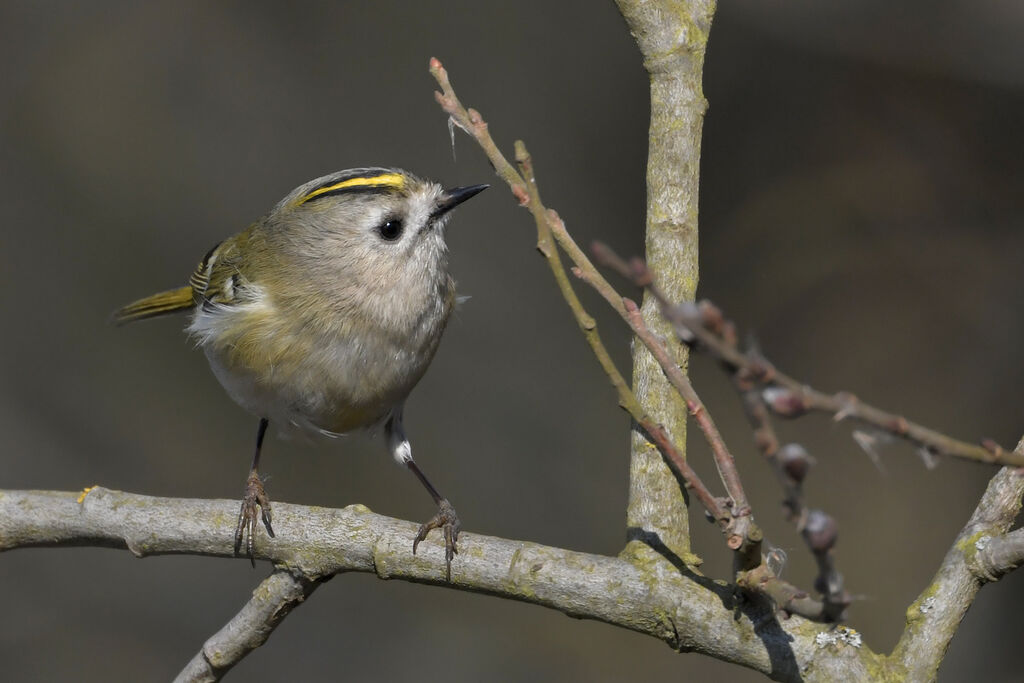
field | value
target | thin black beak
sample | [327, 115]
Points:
[455, 196]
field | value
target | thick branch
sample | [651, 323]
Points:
[672, 37]
[933, 618]
[998, 556]
[685, 610]
[279, 594]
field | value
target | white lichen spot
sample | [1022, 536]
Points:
[852, 637]
[841, 635]
[927, 605]
[982, 542]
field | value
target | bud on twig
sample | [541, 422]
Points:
[820, 530]
[796, 461]
[784, 402]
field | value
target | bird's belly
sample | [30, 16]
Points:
[332, 387]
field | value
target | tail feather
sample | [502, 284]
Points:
[162, 303]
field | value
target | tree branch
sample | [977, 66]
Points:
[279, 594]
[786, 396]
[790, 464]
[933, 618]
[734, 516]
[669, 602]
[524, 187]
[735, 519]
[672, 37]
[998, 556]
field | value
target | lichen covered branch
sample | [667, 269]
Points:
[683, 609]
[271, 602]
[932, 620]
[672, 37]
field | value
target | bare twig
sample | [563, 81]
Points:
[819, 530]
[630, 312]
[627, 399]
[791, 464]
[736, 522]
[795, 397]
[471, 122]
[743, 531]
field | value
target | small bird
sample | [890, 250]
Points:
[324, 314]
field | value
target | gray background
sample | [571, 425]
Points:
[861, 213]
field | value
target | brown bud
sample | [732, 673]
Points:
[795, 461]
[820, 531]
[784, 402]
[711, 316]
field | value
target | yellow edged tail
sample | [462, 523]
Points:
[162, 303]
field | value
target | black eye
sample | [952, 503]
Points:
[390, 230]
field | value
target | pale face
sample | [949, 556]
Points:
[379, 243]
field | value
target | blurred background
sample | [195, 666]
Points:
[861, 214]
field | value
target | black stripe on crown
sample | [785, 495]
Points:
[359, 180]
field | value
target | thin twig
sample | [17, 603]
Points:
[791, 464]
[470, 121]
[587, 325]
[743, 536]
[744, 530]
[736, 522]
[797, 398]
[630, 312]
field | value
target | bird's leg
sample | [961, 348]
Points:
[254, 497]
[446, 519]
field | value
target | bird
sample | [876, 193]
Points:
[322, 316]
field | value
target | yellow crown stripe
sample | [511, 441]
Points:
[395, 180]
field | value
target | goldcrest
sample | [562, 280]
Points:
[325, 313]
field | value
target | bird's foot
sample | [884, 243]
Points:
[449, 523]
[255, 497]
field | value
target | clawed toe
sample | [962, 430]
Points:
[448, 521]
[255, 497]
